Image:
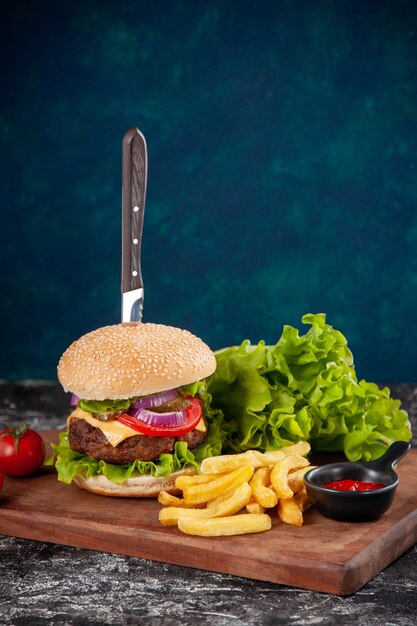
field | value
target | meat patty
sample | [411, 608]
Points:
[89, 440]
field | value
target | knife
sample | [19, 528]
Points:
[134, 177]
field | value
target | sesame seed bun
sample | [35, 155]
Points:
[145, 486]
[133, 359]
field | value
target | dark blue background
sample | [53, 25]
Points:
[282, 171]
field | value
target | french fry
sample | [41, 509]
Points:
[213, 501]
[289, 512]
[171, 514]
[230, 462]
[222, 526]
[296, 478]
[197, 494]
[302, 448]
[255, 508]
[167, 499]
[238, 499]
[182, 482]
[302, 500]
[261, 492]
[219, 499]
[279, 474]
[229, 506]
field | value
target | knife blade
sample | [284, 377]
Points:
[134, 179]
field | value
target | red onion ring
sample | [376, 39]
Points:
[174, 418]
[148, 402]
[74, 400]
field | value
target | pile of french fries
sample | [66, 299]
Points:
[232, 493]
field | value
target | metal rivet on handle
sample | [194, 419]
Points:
[136, 209]
[134, 273]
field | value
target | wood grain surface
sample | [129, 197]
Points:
[322, 555]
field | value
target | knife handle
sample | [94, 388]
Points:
[134, 177]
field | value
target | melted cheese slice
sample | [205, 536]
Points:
[115, 432]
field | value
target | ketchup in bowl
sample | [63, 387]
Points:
[357, 491]
[353, 485]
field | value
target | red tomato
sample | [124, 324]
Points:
[1, 480]
[22, 451]
[193, 416]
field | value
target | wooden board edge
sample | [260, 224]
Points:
[375, 557]
[151, 545]
[341, 579]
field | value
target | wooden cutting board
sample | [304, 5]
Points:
[322, 555]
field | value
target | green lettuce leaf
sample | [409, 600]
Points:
[303, 388]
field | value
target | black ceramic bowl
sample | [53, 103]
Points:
[356, 506]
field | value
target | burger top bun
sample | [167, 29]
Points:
[133, 359]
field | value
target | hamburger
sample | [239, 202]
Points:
[141, 413]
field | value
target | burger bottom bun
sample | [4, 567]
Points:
[146, 486]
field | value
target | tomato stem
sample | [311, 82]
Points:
[17, 432]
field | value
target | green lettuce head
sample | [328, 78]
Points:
[303, 388]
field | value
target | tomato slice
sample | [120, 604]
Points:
[193, 416]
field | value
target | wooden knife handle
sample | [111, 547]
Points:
[134, 178]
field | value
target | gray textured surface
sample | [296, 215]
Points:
[43, 583]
